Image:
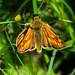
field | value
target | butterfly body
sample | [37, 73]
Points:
[37, 27]
[37, 36]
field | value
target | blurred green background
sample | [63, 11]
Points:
[57, 13]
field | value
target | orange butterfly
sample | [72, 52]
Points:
[38, 35]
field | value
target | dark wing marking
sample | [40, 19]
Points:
[26, 40]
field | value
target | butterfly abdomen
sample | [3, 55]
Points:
[38, 41]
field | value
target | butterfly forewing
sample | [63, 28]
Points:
[51, 38]
[25, 41]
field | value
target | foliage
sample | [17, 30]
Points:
[56, 13]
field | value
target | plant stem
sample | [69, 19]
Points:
[3, 72]
[51, 62]
[35, 6]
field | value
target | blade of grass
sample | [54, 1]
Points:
[41, 5]
[3, 71]
[51, 62]
[54, 7]
[35, 6]
[14, 50]
[7, 22]
[69, 8]
[47, 61]
[73, 72]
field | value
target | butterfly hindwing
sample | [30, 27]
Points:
[50, 38]
[25, 40]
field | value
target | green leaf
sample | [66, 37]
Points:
[69, 43]
[72, 49]
[46, 58]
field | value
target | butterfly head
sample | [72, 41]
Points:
[36, 17]
[36, 24]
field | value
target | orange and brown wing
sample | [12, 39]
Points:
[50, 38]
[25, 40]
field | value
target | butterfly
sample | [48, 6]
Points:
[38, 35]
